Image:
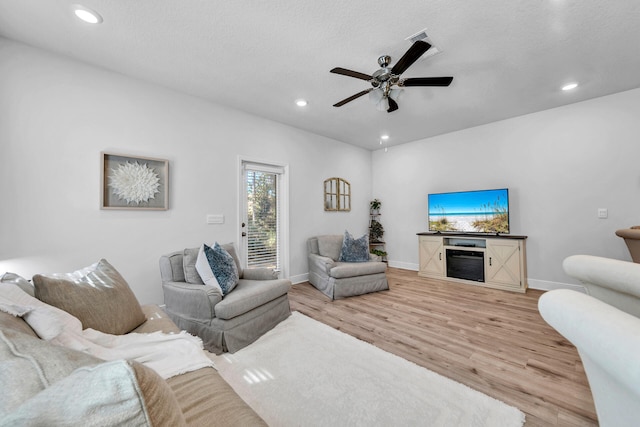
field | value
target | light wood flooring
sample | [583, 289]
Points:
[493, 341]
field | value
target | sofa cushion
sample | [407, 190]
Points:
[161, 404]
[250, 294]
[330, 246]
[19, 281]
[223, 266]
[349, 269]
[354, 250]
[189, 260]
[206, 399]
[97, 295]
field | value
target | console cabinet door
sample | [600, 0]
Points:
[431, 256]
[504, 264]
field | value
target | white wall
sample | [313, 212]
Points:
[560, 166]
[57, 115]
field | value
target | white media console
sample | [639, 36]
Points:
[494, 261]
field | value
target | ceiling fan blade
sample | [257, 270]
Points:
[416, 50]
[393, 105]
[352, 97]
[426, 81]
[351, 73]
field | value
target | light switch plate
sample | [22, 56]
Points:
[603, 213]
[215, 219]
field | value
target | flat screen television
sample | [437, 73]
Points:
[482, 211]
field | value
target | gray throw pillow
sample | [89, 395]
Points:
[97, 295]
[106, 395]
[28, 365]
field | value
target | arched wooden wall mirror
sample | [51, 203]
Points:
[337, 194]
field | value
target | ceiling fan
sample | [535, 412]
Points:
[384, 93]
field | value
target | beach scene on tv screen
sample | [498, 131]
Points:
[484, 211]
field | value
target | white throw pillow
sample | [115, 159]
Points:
[47, 321]
[205, 271]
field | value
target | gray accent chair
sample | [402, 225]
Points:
[338, 279]
[258, 302]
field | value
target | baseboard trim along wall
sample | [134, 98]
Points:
[541, 285]
[544, 285]
[404, 265]
[299, 278]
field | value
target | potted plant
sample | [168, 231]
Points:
[374, 206]
[379, 252]
[376, 231]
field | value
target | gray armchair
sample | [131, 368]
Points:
[257, 303]
[338, 279]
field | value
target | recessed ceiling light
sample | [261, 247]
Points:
[385, 137]
[301, 103]
[570, 86]
[87, 15]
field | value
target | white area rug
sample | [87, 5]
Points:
[305, 373]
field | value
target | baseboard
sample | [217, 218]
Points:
[403, 265]
[541, 285]
[544, 285]
[299, 278]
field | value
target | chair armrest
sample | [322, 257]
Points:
[320, 263]
[620, 276]
[191, 301]
[259, 273]
[629, 233]
[608, 337]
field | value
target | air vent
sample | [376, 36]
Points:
[422, 35]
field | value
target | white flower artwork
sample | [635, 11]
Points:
[134, 182]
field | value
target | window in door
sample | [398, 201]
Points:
[262, 226]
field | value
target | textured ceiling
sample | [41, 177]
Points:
[508, 58]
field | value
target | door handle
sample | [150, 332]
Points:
[489, 261]
[244, 234]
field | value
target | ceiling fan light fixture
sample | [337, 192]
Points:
[87, 15]
[376, 95]
[395, 94]
[383, 104]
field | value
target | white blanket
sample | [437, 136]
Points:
[167, 354]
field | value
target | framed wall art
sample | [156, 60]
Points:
[133, 182]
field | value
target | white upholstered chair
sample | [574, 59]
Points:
[605, 328]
